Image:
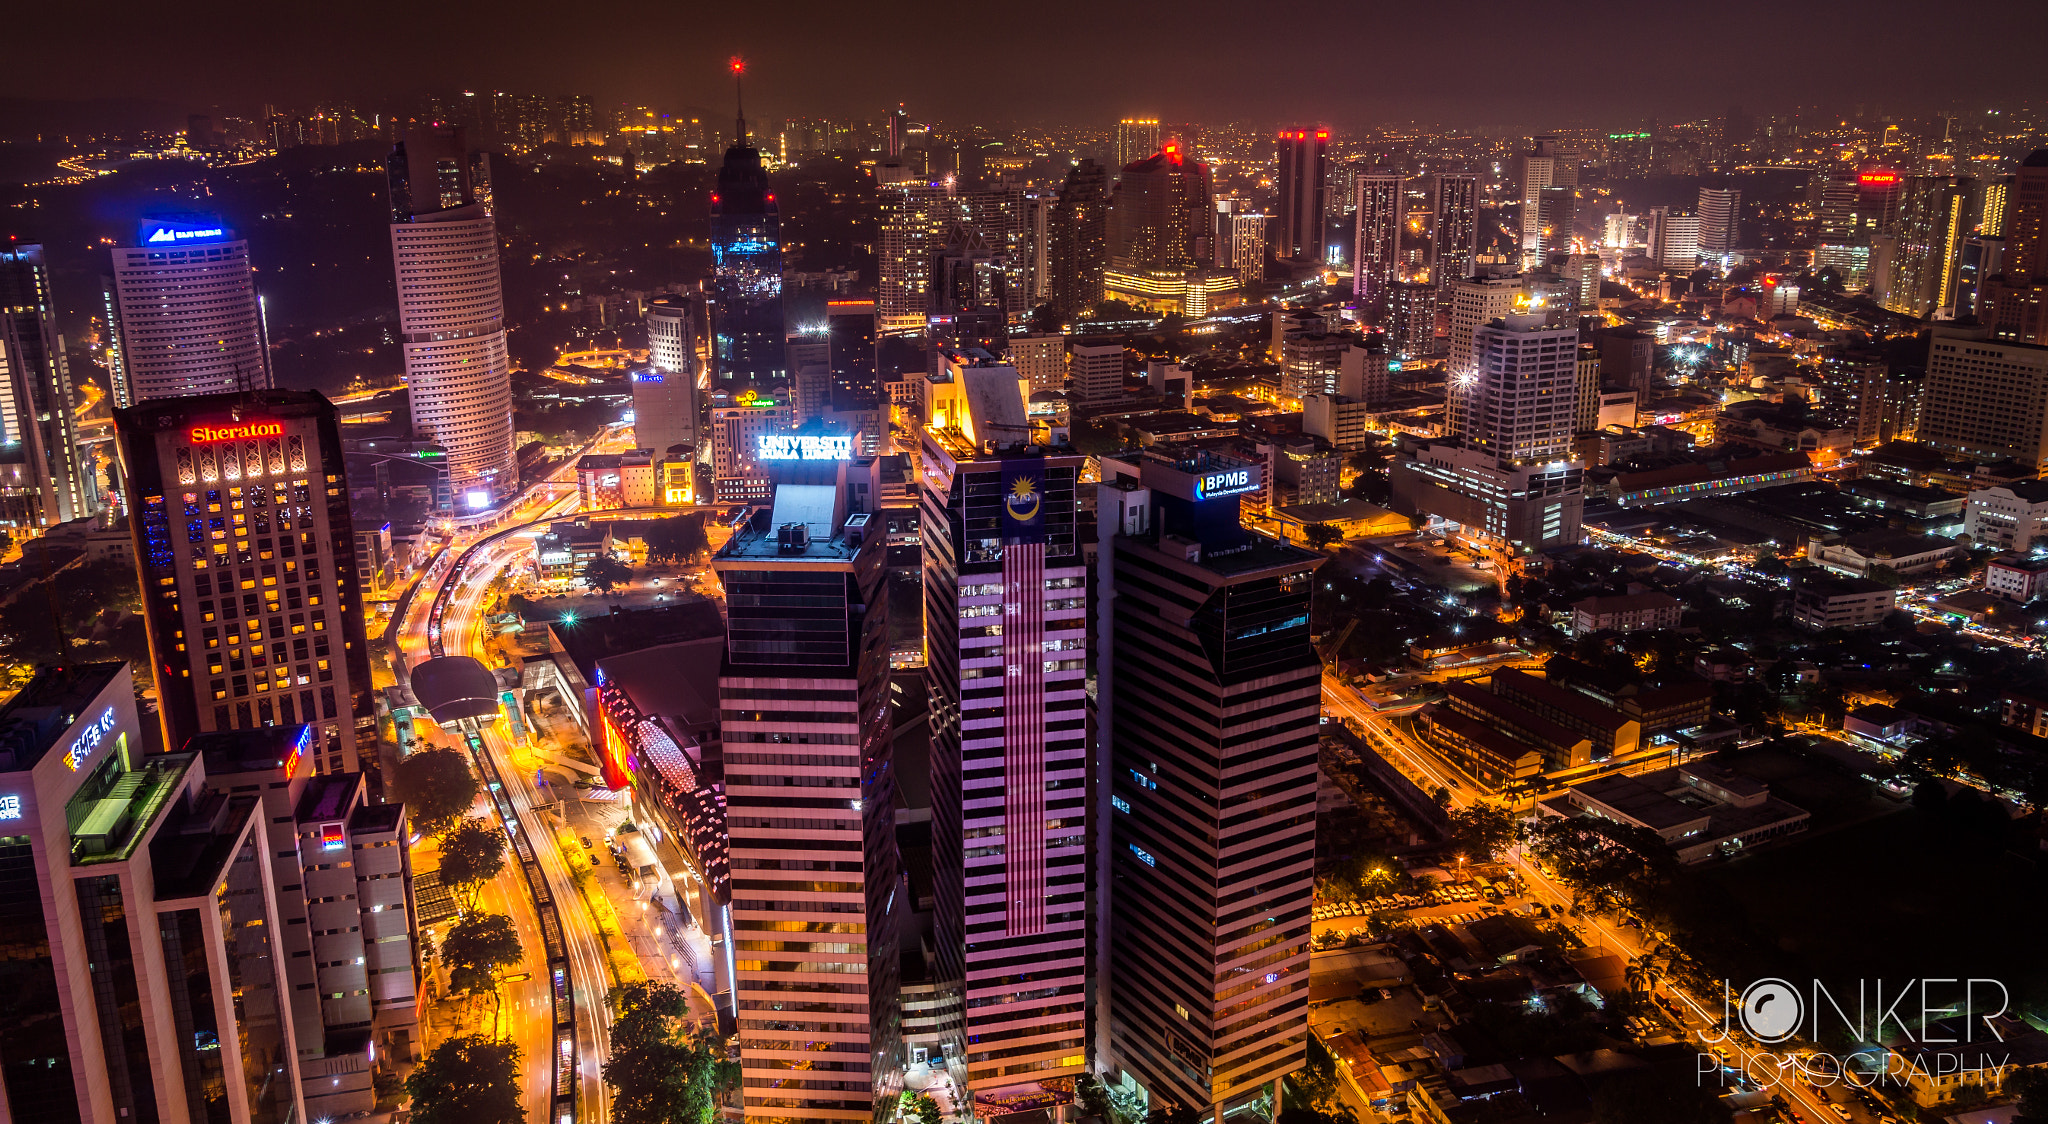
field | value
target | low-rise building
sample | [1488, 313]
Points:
[1357, 519]
[1343, 422]
[561, 553]
[1628, 612]
[2017, 577]
[1611, 733]
[1561, 746]
[1701, 810]
[1821, 602]
[1901, 552]
[2013, 516]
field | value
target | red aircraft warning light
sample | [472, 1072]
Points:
[739, 65]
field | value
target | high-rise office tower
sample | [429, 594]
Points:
[1136, 138]
[451, 312]
[1934, 219]
[1720, 219]
[239, 511]
[1002, 218]
[1097, 371]
[804, 689]
[1079, 238]
[1310, 362]
[748, 335]
[1241, 240]
[186, 316]
[1475, 302]
[912, 218]
[1991, 219]
[1161, 214]
[1556, 211]
[1209, 694]
[1007, 644]
[345, 928]
[1981, 258]
[1544, 165]
[1508, 479]
[1985, 397]
[1674, 239]
[45, 478]
[1411, 319]
[1879, 194]
[1840, 223]
[665, 395]
[144, 980]
[969, 291]
[2015, 301]
[1583, 272]
[1041, 360]
[1303, 181]
[1382, 208]
[850, 349]
[1454, 229]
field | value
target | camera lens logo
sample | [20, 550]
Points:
[1771, 1010]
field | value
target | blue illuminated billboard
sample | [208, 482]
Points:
[181, 230]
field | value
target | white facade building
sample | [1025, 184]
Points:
[2013, 516]
[185, 311]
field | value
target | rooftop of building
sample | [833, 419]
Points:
[327, 796]
[38, 716]
[1830, 585]
[1887, 542]
[678, 680]
[259, 749]
[190, 854]
[1507, 710]
[1581, 707]
[1647, 601]
[171, 413]
[1343, 511]
[2032, 491]
[376, 819]
[1504, 746]
[586, 640]
[2032, 562]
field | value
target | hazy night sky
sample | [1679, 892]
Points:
[1480, 64]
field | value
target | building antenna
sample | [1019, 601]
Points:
[739, 67]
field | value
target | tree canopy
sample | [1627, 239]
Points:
[659, 1072]
[1481, 832]
[677, 538]
[436, 787]
[467, 1080]
[472, 853]
[477, 948]
[604, 572]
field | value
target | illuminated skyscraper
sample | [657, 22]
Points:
[246, 554]
[912, 216]
[1454, 231]
[1382, 207]
[145, 977]
[44, 477]
[1006, 674]
[1079, 240]
[1162, 225]
[451, 312]
[665, 395]
[809, 790]
[1209, 695]
[1544, 165]
[1136, 138]
[1934, 219]
[1303, 184]
[2015, 302]
[1720, 220]
[748, 336]
[186, 317]
[1557, 211]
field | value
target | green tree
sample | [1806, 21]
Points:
[1482, 831]
[1602, 860]
[468, 1080]
[472, 853]
[604, 572]
[923, 1107]
[1322, 536]
[659, 1073]
[436, 787]
[677, 538]
[477, 949]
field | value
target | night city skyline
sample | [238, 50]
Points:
[1083, 564]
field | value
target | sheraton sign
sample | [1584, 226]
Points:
[207, 434]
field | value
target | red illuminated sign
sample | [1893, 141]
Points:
[1878, 177]
[206, 434]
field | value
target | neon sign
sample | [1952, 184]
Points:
[89, 740]
[10, 807]
[802, 447]
[207, 434]
[1216, 485]
[291, 763]
[1878, 177]
[166, 234]
[332, 837]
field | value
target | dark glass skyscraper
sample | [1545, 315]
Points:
[44, 478]
[1080, 239]
[748, 340]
